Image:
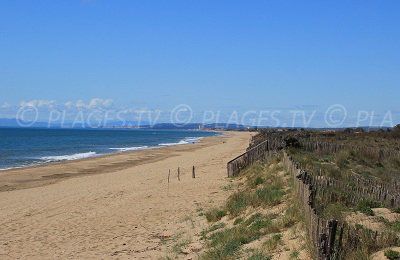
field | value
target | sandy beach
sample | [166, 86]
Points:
[119, 206]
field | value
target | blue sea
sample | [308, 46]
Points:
[23, 147]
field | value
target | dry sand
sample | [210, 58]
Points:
[71, 211]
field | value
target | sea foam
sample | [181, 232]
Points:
[126, 149]
[187, 140]
[75, 156]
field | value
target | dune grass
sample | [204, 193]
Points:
[226, 243]
[215, 214]
[263, 187]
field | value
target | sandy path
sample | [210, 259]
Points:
[120, 214]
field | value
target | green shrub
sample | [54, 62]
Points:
[260, 224]
[273, 242]
[237, 202]
[395, 226]
[237, 221]
[334, 211]
[295, 254]
[226, 243]
[391, 254]
[214, 214]
[365, 206]
[270, 196]
[291, 217]
[259, 181]
[253, 218]
[259, 256]
[342, 158]
[216, 226]
[334, 173]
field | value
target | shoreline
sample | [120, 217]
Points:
[115, 151]
[122, 158]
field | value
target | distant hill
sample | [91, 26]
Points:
[197, 126]
[12, 122]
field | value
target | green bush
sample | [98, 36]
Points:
[237, 221]
[259, 256]
[270, 196]
[216, 226]
[334, 211]
[259, 181]
[291, 217]
[342, 158]
[237, 202]
[273, 242]
[226, 243]
[391, 254]
[365, 206]
[395, 226]
[214, 214]
[295, 254]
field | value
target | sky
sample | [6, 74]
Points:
[220, 56]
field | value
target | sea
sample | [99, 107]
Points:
[24, 147]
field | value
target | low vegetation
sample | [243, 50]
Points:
[354, 179]
[392, 255]
[257, 211]
[350, 174]
[215, 214]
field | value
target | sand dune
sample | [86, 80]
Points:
[127, 212]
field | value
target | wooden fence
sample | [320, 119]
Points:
[324, 146]
[256, 153]
[330, 237]
[388, 192]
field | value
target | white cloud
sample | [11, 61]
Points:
[80, 104]
[100, 103]
[94, 103]
[69, 104]
[142, 110]
[5, 105]
[40, 103]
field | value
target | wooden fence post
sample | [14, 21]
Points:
[169, 173]
[332, 227]
[193, 173]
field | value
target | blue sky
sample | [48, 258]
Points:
[212, 55]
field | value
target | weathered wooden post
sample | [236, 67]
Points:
[193, 173]
[332, 225]
[179, 174]
[169, 174]
[339, 245]
[321, 245]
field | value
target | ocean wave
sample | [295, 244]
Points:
[68, 157]
[186, 140]
[16, 167]
[126, 149]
